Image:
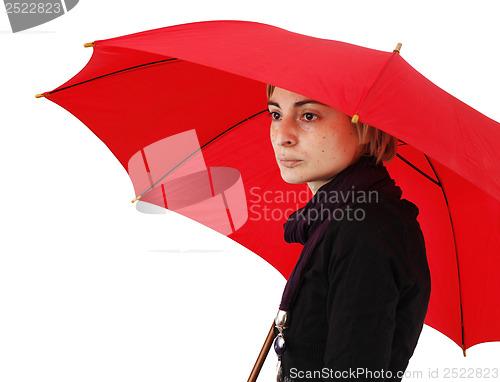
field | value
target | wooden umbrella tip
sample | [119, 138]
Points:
[355, 118]
[40, 95]
[398, 48]
[89, 44]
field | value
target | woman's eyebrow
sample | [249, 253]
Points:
[297, 104]
[300, 103]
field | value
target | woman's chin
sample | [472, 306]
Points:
[292, 178]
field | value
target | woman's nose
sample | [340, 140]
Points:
[284, 133]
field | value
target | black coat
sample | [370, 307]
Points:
[363, 299]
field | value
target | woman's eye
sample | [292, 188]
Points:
[310, 116]
[274, 115]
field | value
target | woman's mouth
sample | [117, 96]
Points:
[289, 162]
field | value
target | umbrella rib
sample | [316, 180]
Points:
[438, 182]
[116, 72]
[456, 256]
[194, 152]
[239, 123]
[420, 171]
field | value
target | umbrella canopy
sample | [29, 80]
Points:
[183, 109]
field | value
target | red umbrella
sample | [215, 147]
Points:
[184, 108]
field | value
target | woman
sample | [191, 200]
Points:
[355, 303]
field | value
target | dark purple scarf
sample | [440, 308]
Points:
[308, 224]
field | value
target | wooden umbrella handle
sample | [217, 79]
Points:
[262, 355]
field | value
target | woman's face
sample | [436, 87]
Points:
[312, 142]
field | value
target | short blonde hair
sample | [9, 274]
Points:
[383, 146]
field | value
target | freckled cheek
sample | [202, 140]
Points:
[326, 147]
[331, 149]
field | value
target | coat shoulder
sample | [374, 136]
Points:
[384, 216]
[385, 232]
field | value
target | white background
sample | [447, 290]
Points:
[91, 289]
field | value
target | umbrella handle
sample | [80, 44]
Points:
[262, 355]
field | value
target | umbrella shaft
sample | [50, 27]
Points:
[262, 355]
